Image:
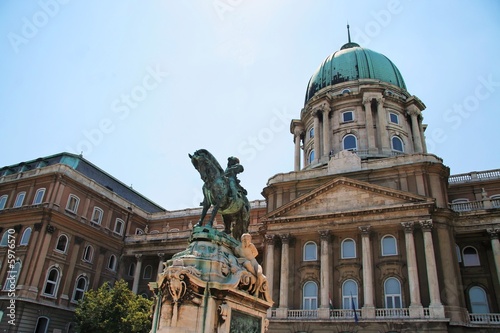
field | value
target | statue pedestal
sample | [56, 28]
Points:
[207, 289]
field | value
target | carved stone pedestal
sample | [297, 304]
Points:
[207, 288]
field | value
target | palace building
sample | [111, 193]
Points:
[368, 233]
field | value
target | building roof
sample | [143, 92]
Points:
[78, 163]
[351, 63]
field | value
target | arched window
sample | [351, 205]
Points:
[348, 249]
[392, 292]
[139, 231]
[42, 324]
[88, 253]
[349, 142]
[97, 215]
[3, 201]
[349, 295]
[389, 247]
[72, 204]
[5, 238]
[131, 269]
[119, 227]
[310, 299]
[11, 279]
[51, 282]
[495, 201]
[80, 288]
[461, 205]
[478, 300]
[397, 144]
[311, 156]
[25, 239]
[19, 199]
[470, 256]
[310, 251]
[62, 243]
[112, 262]
[148, 272]
[38, 196]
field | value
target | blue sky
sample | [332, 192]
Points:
[137, 85]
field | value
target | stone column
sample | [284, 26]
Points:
[326, 133]
[435, 307]
[324, 311]
[414, 113]
[495, 246]
[370, 130]
[282, 311]
[161, 263]
[35, 235]
[137, 273]
[269, 272]
[68, 279]
[39, 273]
[317, 153]
[385, 145]
[368, 310]
[297, 134]
[99, 266]
[416, 309]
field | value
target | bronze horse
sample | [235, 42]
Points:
[222, 191]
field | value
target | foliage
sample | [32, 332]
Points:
[113, 309]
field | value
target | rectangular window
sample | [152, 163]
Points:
[347, 116]
[19, 199]
[394, 118]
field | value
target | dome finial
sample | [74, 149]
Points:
[348, 33]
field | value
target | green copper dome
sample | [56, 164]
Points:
[351, 63]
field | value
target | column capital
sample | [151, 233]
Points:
[408, 227]
[161, 255]
[314, 113]
[285, 238]
[365, 230]
[138, 257]
[413, 110]
[493, 232]
[324, 235]
[426, 224]
[380, 100]
[269, 239]
[367, 100]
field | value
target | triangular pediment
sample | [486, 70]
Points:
[346, 196]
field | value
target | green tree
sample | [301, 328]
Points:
[113, 309]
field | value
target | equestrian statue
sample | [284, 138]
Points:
[222, 190]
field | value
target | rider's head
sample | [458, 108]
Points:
[232, 161]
